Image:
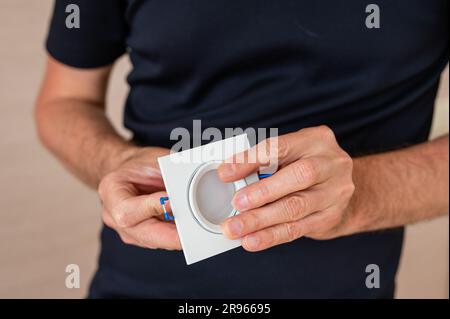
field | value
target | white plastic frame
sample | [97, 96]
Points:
[197, 176]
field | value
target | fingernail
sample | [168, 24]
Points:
[234, 227]
[252, 242]
[240, 201]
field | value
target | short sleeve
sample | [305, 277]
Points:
[98, 41]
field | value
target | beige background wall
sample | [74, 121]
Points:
[48, 219]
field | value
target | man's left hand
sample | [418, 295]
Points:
[308, 196]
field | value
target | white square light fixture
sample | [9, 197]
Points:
[199, 200]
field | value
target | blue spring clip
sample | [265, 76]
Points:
[163, 201]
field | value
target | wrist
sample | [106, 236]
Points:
[116, 153]
[360, 218]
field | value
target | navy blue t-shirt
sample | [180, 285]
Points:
[287, 64]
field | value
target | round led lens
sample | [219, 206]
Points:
[210, 198]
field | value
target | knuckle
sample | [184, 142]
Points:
[291, 231]
[120, 217]
[126, 239]
[352, 188]
[102, 187]
[250, 222]
[260, 195]
[305, 171]
[105, 185]
[271, 149]
[151, 207]
[348, 190]
[263, 151]
[272, 238]
[292, 207]
[107, 219]
[325, 132]
[279, 147]
[345, 161]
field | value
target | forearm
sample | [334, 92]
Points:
[80, 135]
[401, 187]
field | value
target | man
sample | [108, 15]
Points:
[353, 103]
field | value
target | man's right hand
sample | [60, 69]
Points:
[72, 123]
[130, 197]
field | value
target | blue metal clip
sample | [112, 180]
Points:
[163, 201]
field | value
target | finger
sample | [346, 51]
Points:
[288, 209]
[109, 221]
[155, 234]
[323, 224]
[127, 183]
[134, 210]
[128, 235]
[297, 176]
[272, 236]
[276, 151]
[319, 225]
[113, 190]
[145, 178]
